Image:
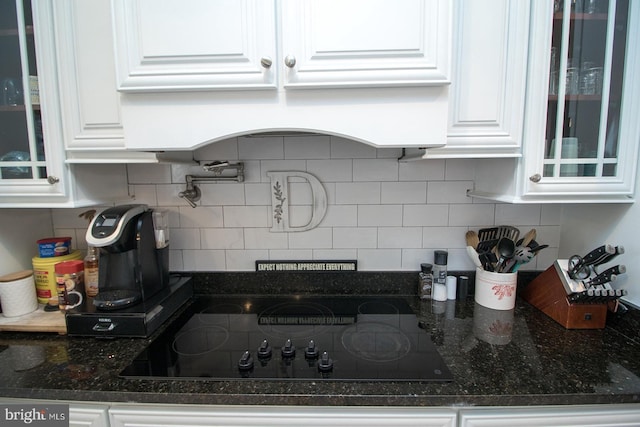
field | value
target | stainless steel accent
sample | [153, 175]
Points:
[535, 178]
[290, 61]
[192, 193]
[53, 179]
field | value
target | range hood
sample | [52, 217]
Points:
[381, 117]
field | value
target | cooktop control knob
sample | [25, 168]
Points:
[325, 364]
[289, 350]
[246, 362]
[311, 352]
[264, 351]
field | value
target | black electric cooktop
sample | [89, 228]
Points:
[293, 338]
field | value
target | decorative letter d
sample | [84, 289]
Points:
[280, 200]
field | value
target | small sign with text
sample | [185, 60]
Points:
[314, 266]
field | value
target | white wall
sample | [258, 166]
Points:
[386, 214]
[20, 229]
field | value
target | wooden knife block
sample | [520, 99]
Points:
[547, 293]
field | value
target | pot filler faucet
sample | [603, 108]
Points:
[192, 193]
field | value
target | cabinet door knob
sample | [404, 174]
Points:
[53, 180]
[266, 62]
[290, 61]
[535, 177]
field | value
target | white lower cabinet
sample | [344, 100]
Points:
[88, 415]
[579, 416]
[198, 415]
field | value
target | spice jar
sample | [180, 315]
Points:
[70, 283]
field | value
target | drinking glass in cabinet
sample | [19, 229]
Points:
[585, 87]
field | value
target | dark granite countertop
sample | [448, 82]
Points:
[518, 357]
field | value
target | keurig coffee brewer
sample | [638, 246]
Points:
[135, 291]
[132, 268]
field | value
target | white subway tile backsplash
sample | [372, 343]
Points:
[448, 192]
[223, 238]
[509, 214]
[380, 259]
[422, 170]
[360, 193]
[444, 237]
[280, 165]
[245, 216]
[204, 260]
[384, 213]
[261, 238]
[222, 150]
[460, 169]
[307, 147]
[403, 192]
[201, 217]
[335, 254]
[336, 170]
[550, 214]
[375, 170]
[425, 215]
[346, 149]
[257, 194]
[149, 173]
[221, 194]
[471, 214]
[318, 238]
[290, 254]
[185, 238]
[340, 216]
[167, 194]
[144, 193]
[351, 237]
[380, 215]
[412, 258]
[260, 148]
[244, 260]
[399, 237]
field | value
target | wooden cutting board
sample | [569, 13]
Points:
[37, 321]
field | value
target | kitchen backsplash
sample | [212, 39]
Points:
[386, 214]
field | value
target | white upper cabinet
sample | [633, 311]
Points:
[192, 73]
[337, 43]
[238, 44]
[488, 84]
[581, 131]
[195, 45]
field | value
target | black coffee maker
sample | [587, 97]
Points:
[133, 263]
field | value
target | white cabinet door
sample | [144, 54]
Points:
[245, 44]
[195, 45]
[81, 415]
[335, 43]
[488, 84]
[601, 415]
[278, 416]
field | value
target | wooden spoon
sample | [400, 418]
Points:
[472, 239]
[527, 238]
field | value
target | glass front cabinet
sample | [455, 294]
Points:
[30, 165]
[582, 115]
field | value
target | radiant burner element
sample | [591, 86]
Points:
[331, 338]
